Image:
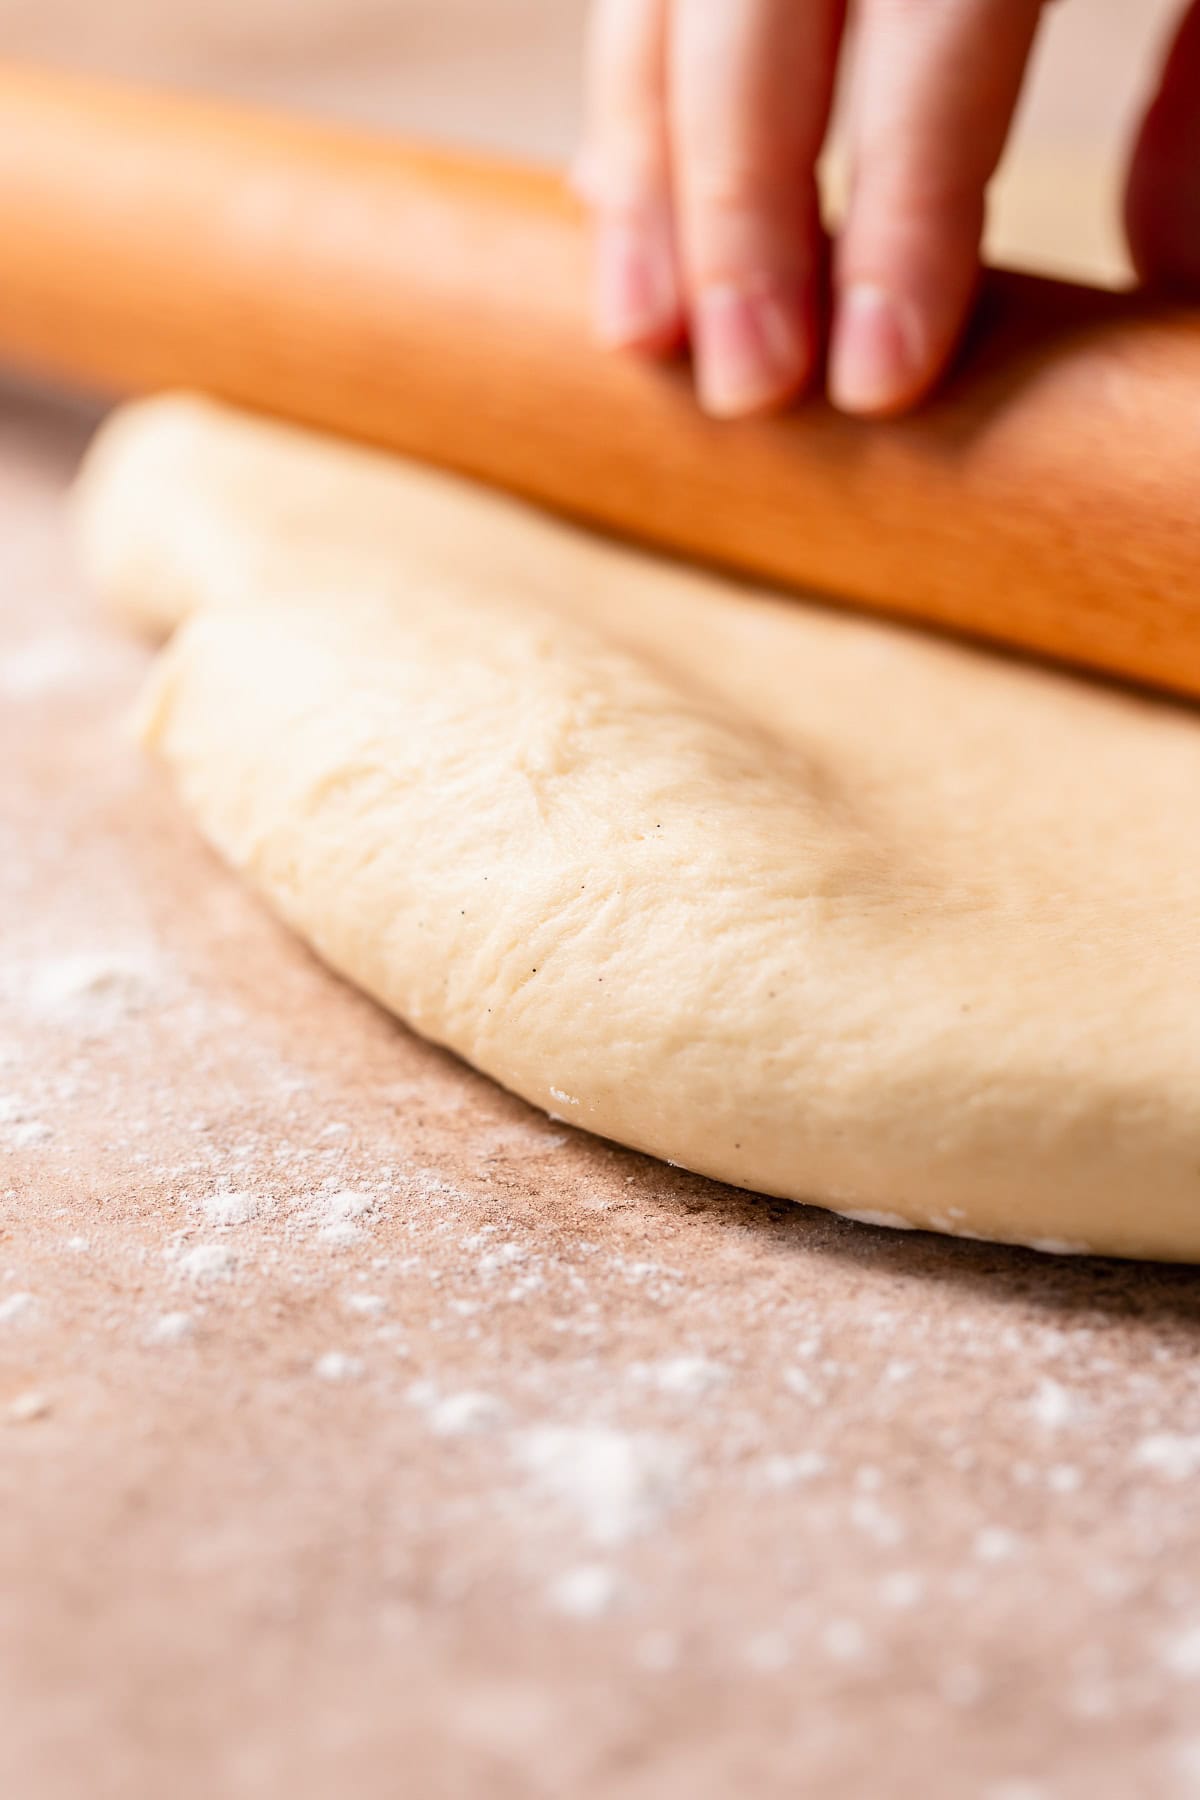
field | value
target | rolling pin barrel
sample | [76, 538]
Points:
[434, 305]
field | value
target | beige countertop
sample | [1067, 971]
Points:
[362, 1431]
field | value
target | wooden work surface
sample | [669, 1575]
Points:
[363, 1432]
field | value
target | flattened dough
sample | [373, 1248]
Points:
[800, 901]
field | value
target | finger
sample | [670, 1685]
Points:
[624, 173]
[936, 85]
[1162, 199]
[750, 89]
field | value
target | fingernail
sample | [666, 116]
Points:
[876, 359]
[636, 296]
[752, 346]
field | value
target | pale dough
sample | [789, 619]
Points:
[801, 901]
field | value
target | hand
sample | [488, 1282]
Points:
[705, 119]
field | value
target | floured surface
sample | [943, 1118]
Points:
[864, 1502]
[356, 1416]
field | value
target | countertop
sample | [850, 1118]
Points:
[363, 1431]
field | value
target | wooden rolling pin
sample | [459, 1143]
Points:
[436, 304]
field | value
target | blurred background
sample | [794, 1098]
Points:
[505, 74]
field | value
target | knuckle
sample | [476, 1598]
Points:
[938, 202]
[624, 184]
[626, 160]
[890, 179]
[738, 185]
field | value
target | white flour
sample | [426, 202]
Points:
[336, 1365]
[15, 1306]
[616, 1484]
[92, 989]
[228, 1210]
[205, 1263]
[683, 1377]
[584, 1593]
[171, 1328]
[1176, 1458]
